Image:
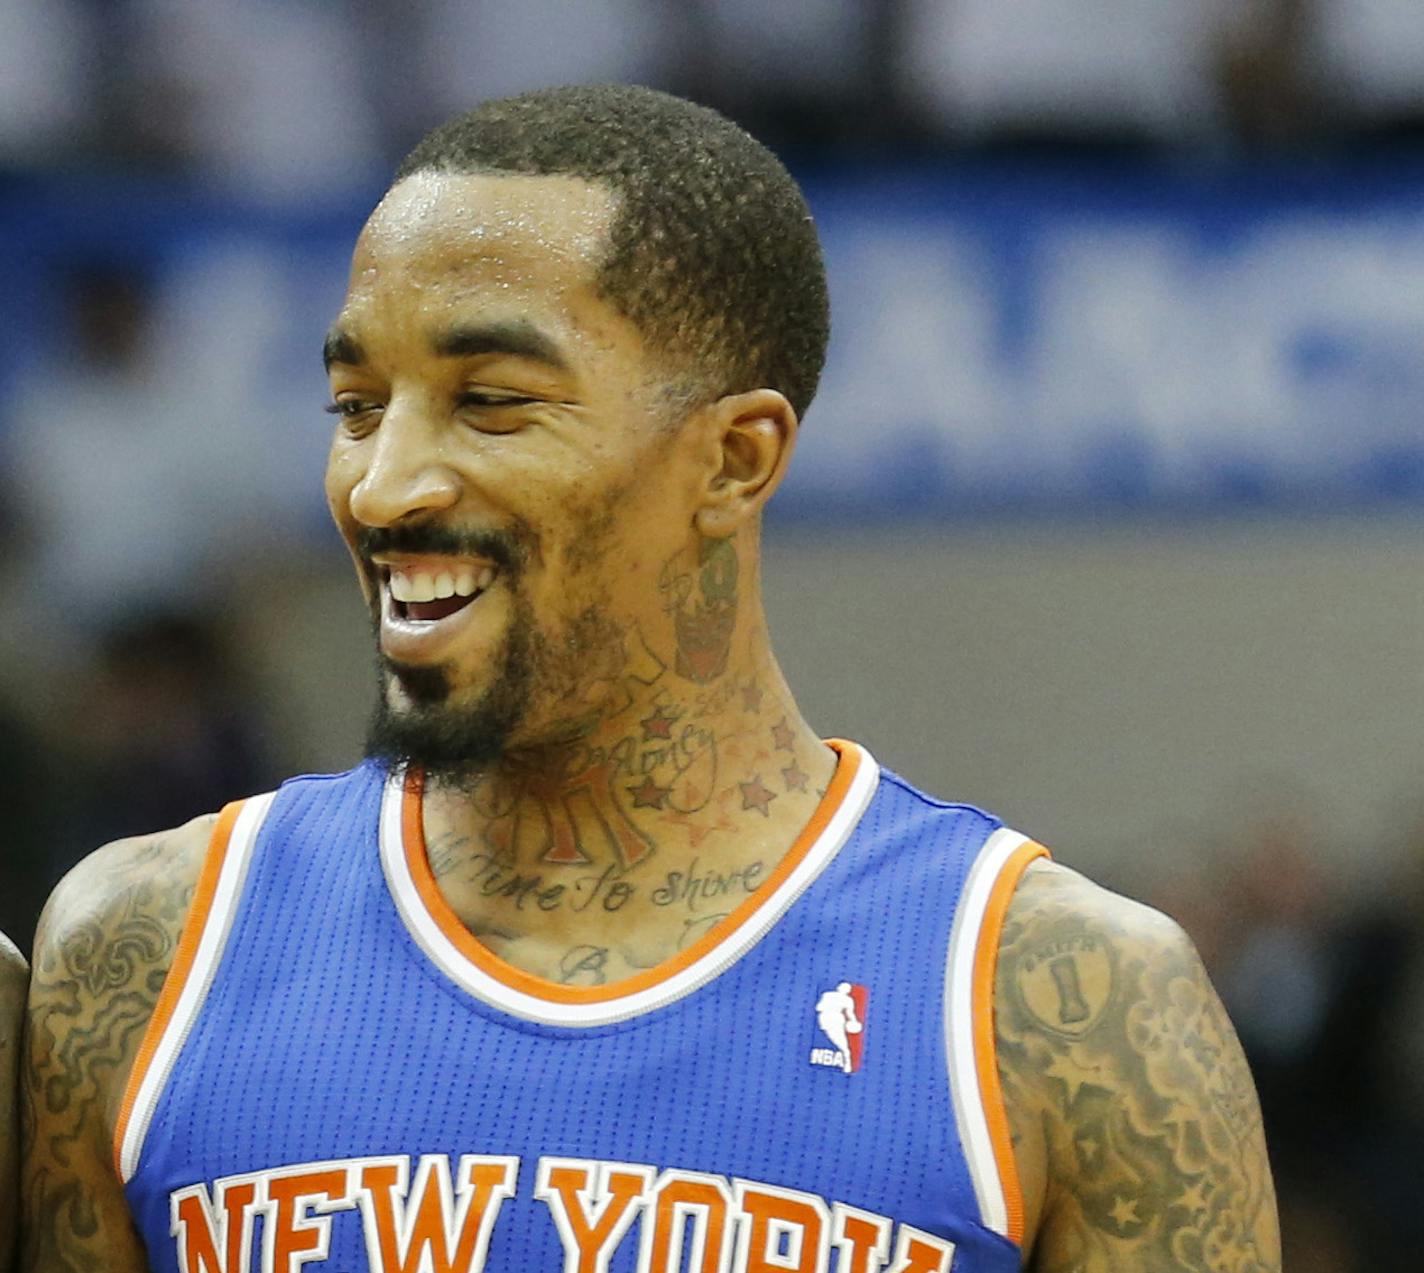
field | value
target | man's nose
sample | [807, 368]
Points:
[407, 471]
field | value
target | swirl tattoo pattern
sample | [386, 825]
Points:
[101, 954]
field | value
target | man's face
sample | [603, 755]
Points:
[500, 469]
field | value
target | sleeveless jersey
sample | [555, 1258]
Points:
[339, 1077]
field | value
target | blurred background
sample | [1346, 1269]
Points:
[1110, 515]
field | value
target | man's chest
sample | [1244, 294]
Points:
[393, 1130]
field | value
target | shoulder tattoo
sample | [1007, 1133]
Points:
[104, 946]
[1113, 1042]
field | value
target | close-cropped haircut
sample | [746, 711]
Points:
[712, 252]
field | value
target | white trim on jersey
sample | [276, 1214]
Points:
[212, 942]
[959, 1021]
[446, 956]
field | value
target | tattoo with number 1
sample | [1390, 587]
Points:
[1113, 1041]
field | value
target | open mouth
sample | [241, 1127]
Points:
[421, 595]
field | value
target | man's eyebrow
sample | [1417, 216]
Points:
[517, 337]
[341, 346]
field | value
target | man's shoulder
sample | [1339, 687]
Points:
[123, 872]
[104, 946]
[14, 981]
[14, 977]
[1134, 1115]
[13, 968]
[123, 905]
[1051, 895]
[1081, 966]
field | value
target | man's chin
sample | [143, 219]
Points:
[416, 685]
[452, 731]
[418, 721]
[448, 746]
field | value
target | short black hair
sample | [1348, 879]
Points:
[713, 254]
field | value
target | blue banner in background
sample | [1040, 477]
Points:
[1067, 339]
[1005, 337]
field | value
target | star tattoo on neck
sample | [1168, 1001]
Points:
[756, 795]
[659, 724]
[648, 795]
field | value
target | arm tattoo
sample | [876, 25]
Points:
[13, 977]
[1115, 1048]
[104, 947]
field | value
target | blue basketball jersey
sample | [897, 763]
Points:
[339, 1077]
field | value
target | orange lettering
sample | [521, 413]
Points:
[678, 1199]
[570, 1189]
[416, 1232]
[863, 1238]
[777, 1216]
[293, 1238]
[200, 1237]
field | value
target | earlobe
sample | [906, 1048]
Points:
[755, 433]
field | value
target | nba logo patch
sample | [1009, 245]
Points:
[840, 1027]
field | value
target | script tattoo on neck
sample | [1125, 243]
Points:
[1112, 1041]
[667, 799]
[100, 961]
[609, 888]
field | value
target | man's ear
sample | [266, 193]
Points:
[755, 433]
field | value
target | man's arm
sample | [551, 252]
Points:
[1128, 1094]
[105, 941]
[14, 975]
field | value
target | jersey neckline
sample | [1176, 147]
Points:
[463, 959]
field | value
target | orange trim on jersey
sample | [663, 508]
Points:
[413, 834]
[986, 1058]
[177, 975]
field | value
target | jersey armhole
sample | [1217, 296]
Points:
[970, 1038]
[185, 986]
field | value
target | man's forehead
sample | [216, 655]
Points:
[480, 215]
[485, 263]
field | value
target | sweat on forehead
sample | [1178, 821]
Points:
[485, 215]
[472, 264]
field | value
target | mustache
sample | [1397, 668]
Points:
[509, 549]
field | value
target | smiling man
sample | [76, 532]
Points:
[544, 982]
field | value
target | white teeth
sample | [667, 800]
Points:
[424, 585]
[416, 587]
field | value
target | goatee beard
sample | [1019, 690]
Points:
[453, 743]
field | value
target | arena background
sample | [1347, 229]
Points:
[1110, 515]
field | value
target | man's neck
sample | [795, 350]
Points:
[607, 855]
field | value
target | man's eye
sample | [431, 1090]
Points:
[359, 416]
[350, 408]
[473, 399]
